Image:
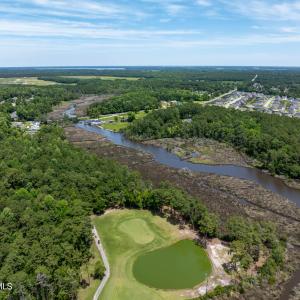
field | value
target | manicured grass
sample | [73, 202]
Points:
[138, 115]
[102, 77]
[138, 230]
[112, 117]
[26, 81]
[127, 234]
[118, 125]
[86, 271]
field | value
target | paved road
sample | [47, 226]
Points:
[219, 97]
[105, 262]
[254, 78]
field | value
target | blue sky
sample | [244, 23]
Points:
[149, 32]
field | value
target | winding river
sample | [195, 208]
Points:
[165, 157]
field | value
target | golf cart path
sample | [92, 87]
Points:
[105, 262]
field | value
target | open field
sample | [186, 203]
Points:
[127, 234]
[26, 81]
[114, 122]
[85, 272]
[102, 77]
[115, 126]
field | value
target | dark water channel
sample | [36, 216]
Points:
[71, 112]
[165, 157]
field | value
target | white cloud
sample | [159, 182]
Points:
[174, 9]
[171, 7]
[41, 2]
[108, 37]
[204, 2]
[165, 20]
[266, 10]
[82, 30]
[87, 9]
[246, 40]
[111, 25]
[289, 29]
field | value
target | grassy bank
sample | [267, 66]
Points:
[86, 272]
[117, 122]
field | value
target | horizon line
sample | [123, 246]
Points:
[148, 66]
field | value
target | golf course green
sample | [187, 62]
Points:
[138, 245]
[180, 266]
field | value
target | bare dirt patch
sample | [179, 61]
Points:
[218, 254]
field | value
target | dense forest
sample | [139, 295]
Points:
[163, 84]
[132, 101]
[272, 139]
[33, 103]
[143, 100]
[48, 189]
[281, 83]
[215, 81]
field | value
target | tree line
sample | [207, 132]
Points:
[48, 189]
[33, 103]
[273, 140]
[143, 99]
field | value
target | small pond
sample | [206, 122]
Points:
[182, 265]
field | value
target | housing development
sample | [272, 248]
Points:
[254, 101]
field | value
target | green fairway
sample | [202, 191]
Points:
[129, 234]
